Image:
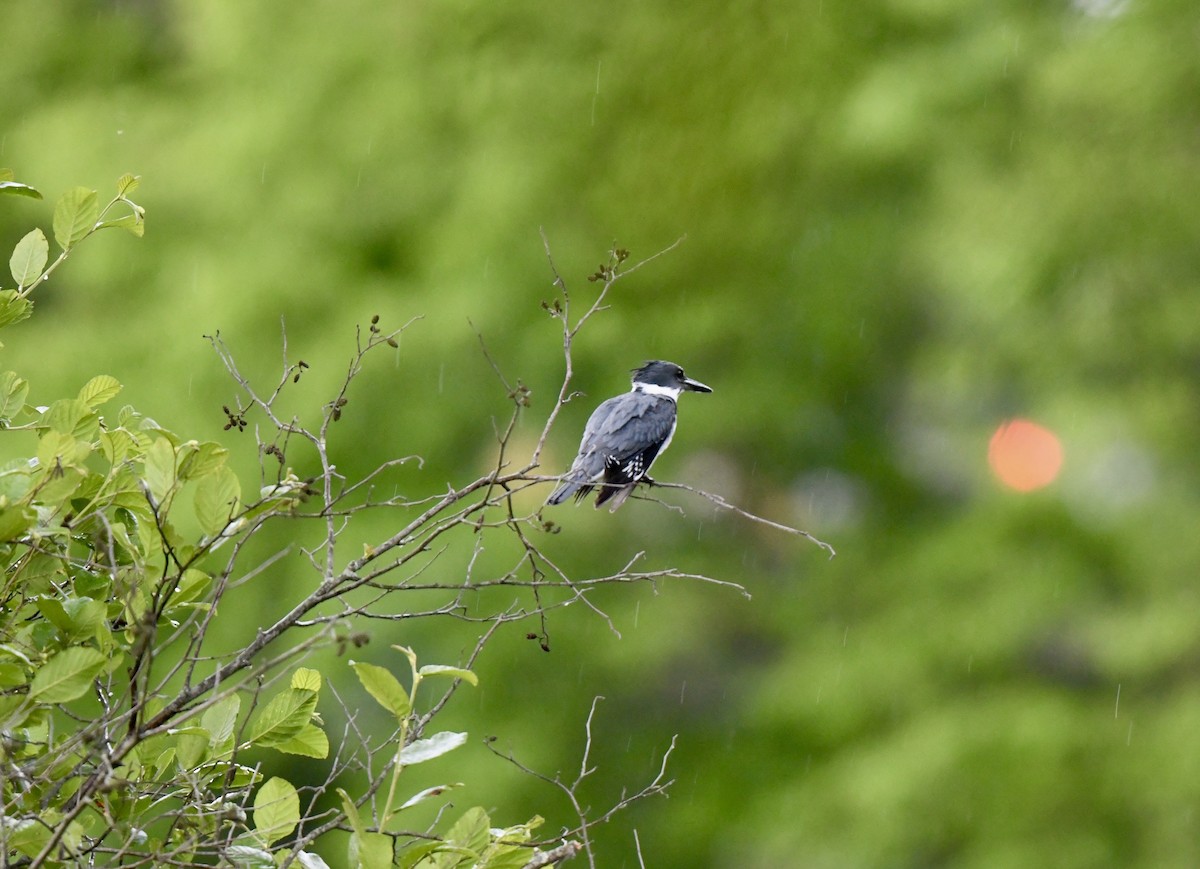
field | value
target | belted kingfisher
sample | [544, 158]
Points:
[625, 434]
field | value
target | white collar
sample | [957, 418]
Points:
[670, 392]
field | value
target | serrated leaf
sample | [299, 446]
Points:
[307, 679]
[128, 183]
[160, 468]
[28, 259]
[56, 449]
[13, 392]
[67, 675]
[15, 188]
[220, 719]
[276, 809]
[58, 483]
[216, 500]
[117, 444]
[99, 389]
[13, 308]
[384, 687]
[73, 417]
[75, 216]
[283, 717]
[196, 459]
[435, 746]
[452, 672]
[309, 741]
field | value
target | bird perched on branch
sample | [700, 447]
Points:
[625, 434]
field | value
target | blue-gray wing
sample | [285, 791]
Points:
[620, 442]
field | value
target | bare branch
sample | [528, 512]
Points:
[733, 508]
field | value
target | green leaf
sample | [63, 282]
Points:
[307, 679]
[98, 390]
[13, 392]
[15, 481]
[276, 809]
[192, 748]
[15, 521]
[52, 610]
[160, 468]
[191, 586]
[351, 812]
[75, 216]
[365, 851]
[85, 614]
[12, 674]
[452, 672]
[435, 746]
[71, 416]
[506, 857]
[128, 183]
[15, 188]
[27, 836]
[283, 717]
[56, 448]
[471, 830]
[216, 500]
[309, 741]
[29, 257]
[133, 222]
[76, 618]
[13, 308]
[58, 485]
[384, 687]
[198, 460]
[429, 793]
[163, 762]
[220, 719]
[414, 855]
[370, 851]
[249, 858]
[67, 675]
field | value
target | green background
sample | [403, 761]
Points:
[906, 222]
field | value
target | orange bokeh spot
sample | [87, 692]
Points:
[1024, 455]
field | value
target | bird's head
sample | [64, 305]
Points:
[665, 378]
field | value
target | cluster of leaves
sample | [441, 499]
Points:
[120, 741]
[128, 735]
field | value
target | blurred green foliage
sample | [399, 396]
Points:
[906, 221]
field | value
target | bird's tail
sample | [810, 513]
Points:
[566, 489]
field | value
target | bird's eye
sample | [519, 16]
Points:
[679, 372]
